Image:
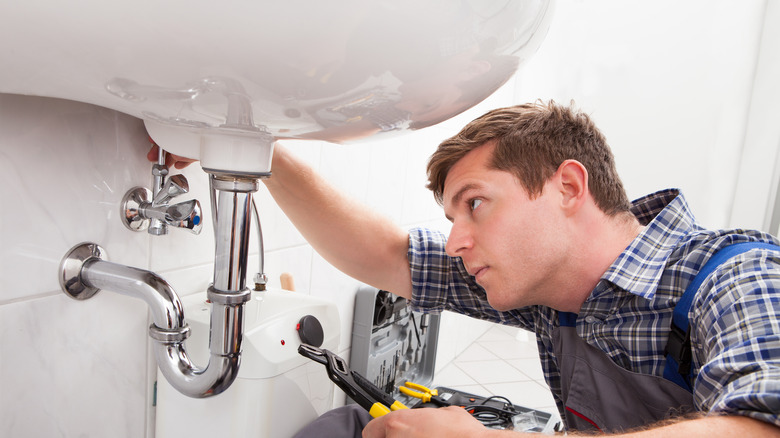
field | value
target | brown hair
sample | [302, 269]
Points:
[532, 140]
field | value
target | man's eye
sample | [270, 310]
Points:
[474, 203]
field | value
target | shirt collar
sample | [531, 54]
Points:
[667, 219]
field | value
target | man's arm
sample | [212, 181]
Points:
[359, 242]
[454, 422]
[714, 426]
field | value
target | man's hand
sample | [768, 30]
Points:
[170, 159]
[451, 422]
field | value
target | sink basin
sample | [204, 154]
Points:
[235, 75]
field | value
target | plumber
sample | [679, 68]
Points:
[544, 238]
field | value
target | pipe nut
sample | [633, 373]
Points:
[228, 298]
[169, 336]
[235, 183]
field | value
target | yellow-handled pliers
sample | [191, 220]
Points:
[424, 393]
[360, 389]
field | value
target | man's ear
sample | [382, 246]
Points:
[573, 185]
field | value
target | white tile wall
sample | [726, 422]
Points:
[68, 368]
[73, 369]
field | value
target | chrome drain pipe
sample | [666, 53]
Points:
[231, 230]
[84, 271]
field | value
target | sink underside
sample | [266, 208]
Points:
[336, 71]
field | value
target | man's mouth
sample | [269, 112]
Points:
[478, 272]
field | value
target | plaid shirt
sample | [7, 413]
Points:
[734, 317]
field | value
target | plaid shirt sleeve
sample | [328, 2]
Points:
[736, 338]
[441, 282]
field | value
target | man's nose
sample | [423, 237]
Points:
[458, 241]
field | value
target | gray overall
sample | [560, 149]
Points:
[600, 395]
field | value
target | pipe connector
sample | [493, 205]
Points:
[84, 271]
[169, 336]
[228, 298]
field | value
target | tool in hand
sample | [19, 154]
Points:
[425, 394]
[360, 389]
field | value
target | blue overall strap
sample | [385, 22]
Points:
[678, 353]
[567, 319]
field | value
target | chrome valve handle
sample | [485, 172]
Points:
[138, 211]
[142, 210]
[174, 186]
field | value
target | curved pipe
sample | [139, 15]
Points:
[224, 347]
[195, 382]
[169, 329]
[167, 310]
[84, 271]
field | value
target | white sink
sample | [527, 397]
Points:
[250, 72]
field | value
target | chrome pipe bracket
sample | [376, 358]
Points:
[228, 298]
[169, 336]
[71, 266]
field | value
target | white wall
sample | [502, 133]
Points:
[761, 149]
[670, 83]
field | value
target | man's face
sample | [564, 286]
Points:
[508, 241]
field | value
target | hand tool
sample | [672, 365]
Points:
[489, 415]
[425, 394]
[360, 389]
